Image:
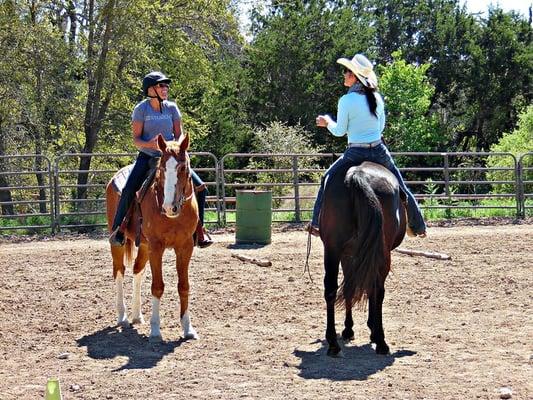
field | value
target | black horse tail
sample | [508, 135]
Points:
[363, 257]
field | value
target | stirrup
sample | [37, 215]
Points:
[313, 230]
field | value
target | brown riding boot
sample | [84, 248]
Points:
[202, 237]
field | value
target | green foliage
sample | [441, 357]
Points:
[517, 142]
[279, 138]
[407, 94]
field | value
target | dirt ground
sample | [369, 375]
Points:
[459, 329]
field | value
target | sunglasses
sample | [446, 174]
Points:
[346, 70]
[163, 85]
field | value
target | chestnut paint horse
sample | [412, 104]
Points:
[362, 219]
[170, 216]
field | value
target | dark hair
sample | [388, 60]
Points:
[371, 100]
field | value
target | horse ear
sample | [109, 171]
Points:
[184, 143]
[161, 143]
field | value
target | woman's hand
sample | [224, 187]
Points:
[322, 121]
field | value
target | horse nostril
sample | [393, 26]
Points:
[174, 209]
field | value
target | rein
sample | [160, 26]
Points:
[306, 266]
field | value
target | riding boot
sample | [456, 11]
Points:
[202, 237]
[117, 238]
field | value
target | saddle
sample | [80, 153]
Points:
[119, 182]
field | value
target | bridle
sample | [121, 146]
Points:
[181, 197]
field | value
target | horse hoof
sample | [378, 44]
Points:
[124, 324]
[139, 321]
[347, 336]
[155, 339]
[335, 353]
[191, 335]
[382, 349]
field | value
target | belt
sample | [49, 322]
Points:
[366, 145]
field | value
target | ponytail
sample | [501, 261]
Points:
[371, 100]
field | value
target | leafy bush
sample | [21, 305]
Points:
[518, 142]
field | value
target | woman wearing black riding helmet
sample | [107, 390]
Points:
[151, 117]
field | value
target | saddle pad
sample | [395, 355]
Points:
[120, 178]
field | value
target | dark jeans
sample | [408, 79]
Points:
[380, 155]
[135, 180]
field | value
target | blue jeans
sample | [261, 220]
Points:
[135, 180]
[379, 155]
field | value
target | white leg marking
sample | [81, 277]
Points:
[188, 331]
[122, 319]
[137, 317]
[171, 179]
[155, 322]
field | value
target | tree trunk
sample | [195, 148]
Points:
[95, 108]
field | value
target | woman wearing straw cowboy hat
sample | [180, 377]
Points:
[361, 116]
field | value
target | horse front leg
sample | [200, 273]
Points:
[158, 287]
[138, 277]
[118, 275]
[375, 322]
[183, 257]
[331, 265]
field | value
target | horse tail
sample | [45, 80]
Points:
[128, 252]
[363, 256]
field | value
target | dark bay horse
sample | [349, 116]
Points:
[170, 215]
[362, 219]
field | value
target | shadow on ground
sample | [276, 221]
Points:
[112, 342]
[358, 363]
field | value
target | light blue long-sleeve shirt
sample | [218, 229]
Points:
[355, 120]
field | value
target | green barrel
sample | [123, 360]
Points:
[254, 217]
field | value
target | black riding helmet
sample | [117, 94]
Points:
[152, 79]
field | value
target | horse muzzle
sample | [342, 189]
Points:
[172, 210]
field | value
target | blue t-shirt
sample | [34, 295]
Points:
[155, 122]
[355, 120]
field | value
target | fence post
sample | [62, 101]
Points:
[520, 201]
[57, 225]
[446, 175]
[296, 188]
[52, 196]
[223, 187]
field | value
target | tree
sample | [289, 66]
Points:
[517, 142]
[407, 94]
[292, 60]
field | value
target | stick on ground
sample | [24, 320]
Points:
[438, 256]
[261, 263]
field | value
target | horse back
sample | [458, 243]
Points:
[387, 189]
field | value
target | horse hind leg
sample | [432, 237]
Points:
[138, 277]
[348, 333]
[375, 322]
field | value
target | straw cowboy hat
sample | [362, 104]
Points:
[362, 68]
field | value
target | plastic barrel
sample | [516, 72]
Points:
[253, 217]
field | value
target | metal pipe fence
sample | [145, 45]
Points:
[35, 196]
[26, 193]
